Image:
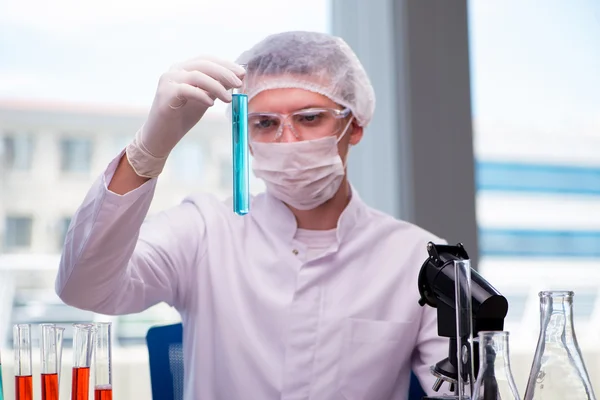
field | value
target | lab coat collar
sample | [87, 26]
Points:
[283, 222]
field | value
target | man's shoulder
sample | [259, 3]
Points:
[389, 226]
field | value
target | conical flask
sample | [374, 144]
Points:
[494, 380]
[558, 371]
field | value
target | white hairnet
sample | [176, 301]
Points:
[313, 61]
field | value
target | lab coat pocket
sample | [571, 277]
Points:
[373, 353]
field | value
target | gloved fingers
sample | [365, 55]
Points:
[213, 87]
[185, 92]
[198, 62]
[216, 71]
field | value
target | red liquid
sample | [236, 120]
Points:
[80, 390]
[49, 386]
[24, 387]
[103, 393]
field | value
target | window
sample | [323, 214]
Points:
[17, 152]
[75, 155]
[63, 227]
[535, 119]
[18, 232]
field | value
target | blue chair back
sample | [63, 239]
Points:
[165, 353]
[415, 391]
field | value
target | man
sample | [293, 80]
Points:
[313, 295]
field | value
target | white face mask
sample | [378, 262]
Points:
[302, 174]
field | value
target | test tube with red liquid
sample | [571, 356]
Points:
[22, 348]
[51, 360]
[83, 346]
[103, 362]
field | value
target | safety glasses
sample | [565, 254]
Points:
[305, 124]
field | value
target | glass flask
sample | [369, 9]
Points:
[494, 380]
[558, 371]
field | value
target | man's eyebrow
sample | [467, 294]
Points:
[313, 106]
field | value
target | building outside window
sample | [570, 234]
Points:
[16, 152]
[18, 232]
[76, 155]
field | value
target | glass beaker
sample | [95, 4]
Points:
[495, 379]
[558, 370]
[22, 349]
[103, 362]
[83, 346]
[51, 360]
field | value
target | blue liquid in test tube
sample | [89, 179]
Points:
[241, 181]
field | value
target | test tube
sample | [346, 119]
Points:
[60, 333]
[83, 346]
[1, 391]
[51, 360]
[22, 349]
[464, 327]
[103, 362]
[241, 179]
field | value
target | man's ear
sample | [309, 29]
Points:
[356, 134]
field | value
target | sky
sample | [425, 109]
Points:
[536, 61]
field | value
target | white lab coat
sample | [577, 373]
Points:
[259, 322]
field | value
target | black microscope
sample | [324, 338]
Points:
[486, 311]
